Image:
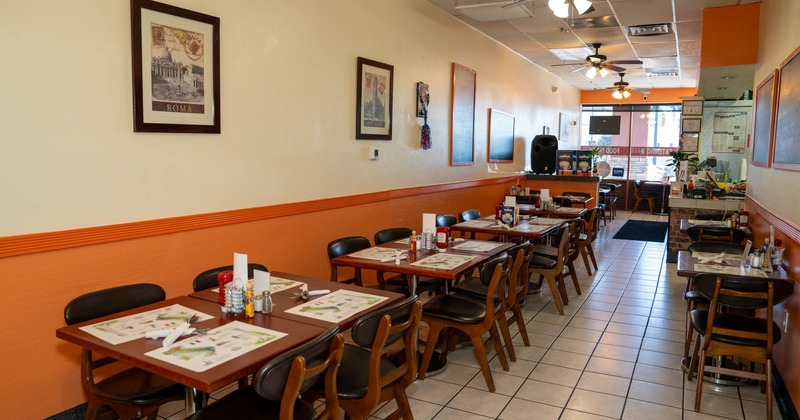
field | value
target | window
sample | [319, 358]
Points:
[641, 149]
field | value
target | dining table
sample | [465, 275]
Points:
[577, 199]
[289, 322]
[529, 227]
[562, 212]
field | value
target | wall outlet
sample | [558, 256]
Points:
[785, 321]
[374, 152]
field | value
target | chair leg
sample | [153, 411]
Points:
[700, 381]
[574, 276]
[650, 202]
[585, 257]
[591, 255]
[636, 205]
[403, 407]
[507, 337]
[562, 289]
[480, 355]
[768, 371]
[433, 336]
[695, 356]
[498, 346]
[521, 324]
[556, 294]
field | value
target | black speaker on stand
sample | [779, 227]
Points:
[544, 148]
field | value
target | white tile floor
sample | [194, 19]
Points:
[614, 354]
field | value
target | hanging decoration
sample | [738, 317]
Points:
[423, 100]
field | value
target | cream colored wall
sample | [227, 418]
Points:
[70, 158]
[779, 37]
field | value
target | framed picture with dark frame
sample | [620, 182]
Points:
[764, 120]
[786, 149]
[691, 125]
[692, 107]
[374, 96]
[176, 62]
[462, 116]
[501, 136]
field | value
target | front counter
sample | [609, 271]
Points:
[559, 184]
[689, 208]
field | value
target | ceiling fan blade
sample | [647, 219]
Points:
[614, 68]
[568, 63]
[625, 62]
[578, 69]
[515, 3]
[643, 91]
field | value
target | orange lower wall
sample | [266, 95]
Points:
[35, 363]
[787, 350]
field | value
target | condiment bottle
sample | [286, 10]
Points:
[267, 297]
[735, 220]
[442, 237]
[249, 304]
[412, 242]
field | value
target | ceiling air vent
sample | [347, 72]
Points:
[650, 30]
[661, 72]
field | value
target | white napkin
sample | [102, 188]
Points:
[177, 332]
[240, 267]
[510, 201]
[261, 282]
[544, 193]
[428, 222]
[164, 333]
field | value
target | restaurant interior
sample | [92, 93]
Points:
[104, 192]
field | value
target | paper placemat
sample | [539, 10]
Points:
[128, 328]
[739, 270]
[376, 253]
[478, 223]
[545, 221]
[478, 246]
[444, 261]
[528, 227]
[199, 353]
[337, 306]
[276, 284]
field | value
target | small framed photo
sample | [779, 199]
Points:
[691, 125]
[423, 99]
[175, 69]
[690, 142]
[374, 88]
[692, 107]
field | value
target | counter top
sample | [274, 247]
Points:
[700, 203]
[570, 178]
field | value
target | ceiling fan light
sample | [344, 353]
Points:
[556, 4]
[592, 72]
[582, 6]
[626, 94]
[616, 94]
[604, 72]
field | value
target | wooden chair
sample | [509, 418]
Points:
[399, 283]
[208, 279]
[131, 393]
[637, 194]
[277, 385]
[725, 333]
[473, 318]
[609, 199]
[716, 233]
[372, 370]
[469, 215]
[550, 269]
[446, 220]
[573, 245]
[586, 238]
[476, 288]
[562, 201]
[344, 246]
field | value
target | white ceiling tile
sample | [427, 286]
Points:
[664, 49]
[689, 48]
[690, 30]
[642, 12]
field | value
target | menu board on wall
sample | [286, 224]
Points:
[462, 117]
[729, 132]
[787, 123]
[763, 120]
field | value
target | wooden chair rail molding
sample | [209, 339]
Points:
[51, 241]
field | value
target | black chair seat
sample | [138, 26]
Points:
[136, 386]
[546, 250]
[455, 308]
[699, 320]
[245, 403]
[538, 261]
[697, 297]
[351, 381]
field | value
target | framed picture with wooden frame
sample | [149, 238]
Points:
[501, 136]
[786, 149]
[176, 80]
[462, 116]
[374, 97]
[764, 120]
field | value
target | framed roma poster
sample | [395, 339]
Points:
[764, 120]
[462, 117]
[175, 69]
[374, 89]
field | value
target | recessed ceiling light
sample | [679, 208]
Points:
[728, 77]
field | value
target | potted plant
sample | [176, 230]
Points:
[594, 154]
[680, 156]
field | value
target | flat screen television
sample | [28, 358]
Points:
[604, 124]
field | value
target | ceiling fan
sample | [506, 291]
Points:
[597, 63]
[622, 90]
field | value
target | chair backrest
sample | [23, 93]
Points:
[562, 201]
[285, 377]
[208, 279]
[344, 246]
[590, 228]
[716, 233]
[469, 215]
[391, 234]
[112, 300]
[446, 220]
[495, 275]
[637, 188]
[573, 245]
[714, 246]
[564, 233]
[521, 255]
[380, 329]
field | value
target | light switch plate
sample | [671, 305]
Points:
[374, 152]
